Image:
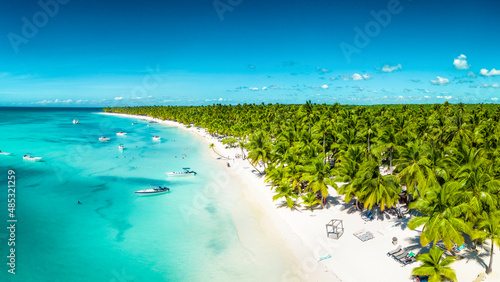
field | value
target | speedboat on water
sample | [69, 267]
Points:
[121, 147]
[186, 172]
[75, 121]
[28, 157]
[156, 138]
[6, 153]
[154, 190]
[121, 133]
[103, 138]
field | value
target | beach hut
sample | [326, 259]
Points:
[334, 228]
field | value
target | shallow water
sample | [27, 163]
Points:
[188, 234]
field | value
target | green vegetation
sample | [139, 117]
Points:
[435, 266]
[445, 156]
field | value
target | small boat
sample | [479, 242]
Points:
[121, 133]
[6, 153]
[134, 123]
[156, 138]
[75, 121]
[121, 147]
[28, 157]
[103, 138]
[154, 190]
[186, 172]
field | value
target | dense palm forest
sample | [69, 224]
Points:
[443, 156]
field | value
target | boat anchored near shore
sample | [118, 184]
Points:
[104, 138]
[156, 138]
[76, 121]
[28, 157]
[154, 190]
[186, 172]
[121, 133]
[6, 153]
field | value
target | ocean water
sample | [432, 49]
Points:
[189, 234]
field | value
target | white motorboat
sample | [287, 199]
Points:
[121, 147]
[6, 153]
[186, 172]
[28, 157]
[154, 190]
[75, 121]
[103, 139]
[121, 133]
[157, 138]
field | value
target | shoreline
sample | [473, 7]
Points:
[303, 231]
[260, 200]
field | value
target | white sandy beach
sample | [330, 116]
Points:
[304, 232]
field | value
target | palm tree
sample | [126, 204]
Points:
[259, 150]
[310, 200]
[285, 190]
[442, 218]
[318, 175]
[212, 146]
[488, 227]
[414, 168]
[435, 266]
[377, 189]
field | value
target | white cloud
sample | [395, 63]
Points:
[345, 77]
[42, 102]
[332, 78]
[366, 76]
[324, 86]
[490, 73]
[427, 97]
[253, 88]
[447, 97]
[440, 81]
[387, 68]
[495, 85]
[118, 98]
[471, 74]
[356, 77]
[460, 63]
[220, 99]
[67, 101]
[264, 88]
[494, 99]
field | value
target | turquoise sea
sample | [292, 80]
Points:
[188, 234]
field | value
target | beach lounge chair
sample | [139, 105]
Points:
[406, 258]
[399, 253]
[394, 251]
[364, 235]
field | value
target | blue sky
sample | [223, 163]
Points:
[99, 53]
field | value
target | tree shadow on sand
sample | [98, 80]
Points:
[468, 253]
